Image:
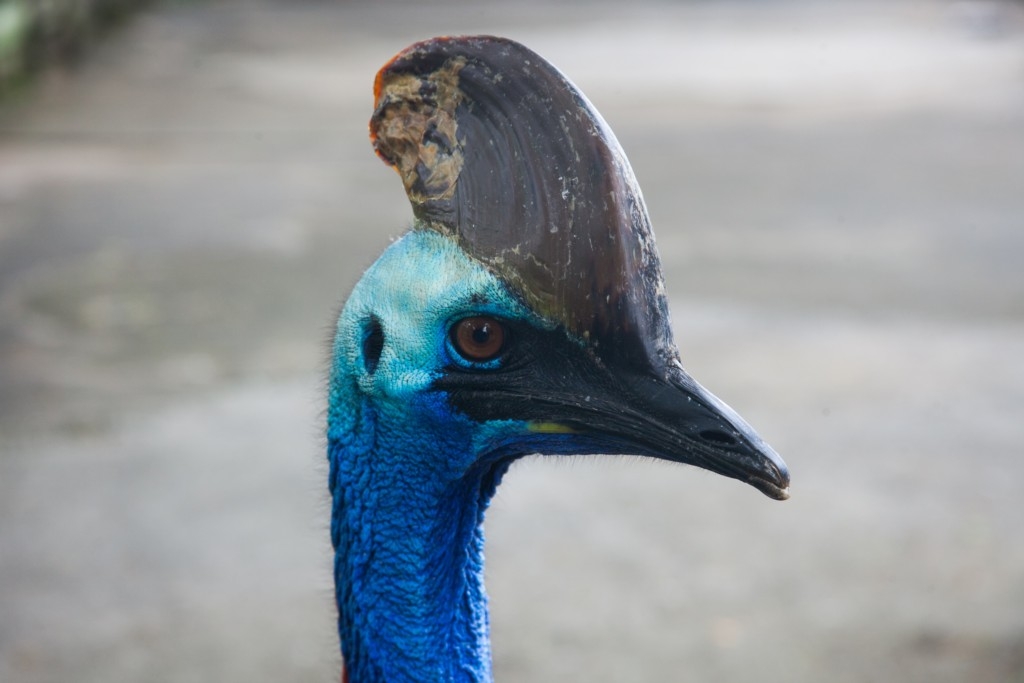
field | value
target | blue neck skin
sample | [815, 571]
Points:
[409, 477]
[409, 557]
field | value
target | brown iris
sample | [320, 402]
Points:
[479, 338]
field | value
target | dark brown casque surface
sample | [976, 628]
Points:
[500, 150]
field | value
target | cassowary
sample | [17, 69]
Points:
[523, 313]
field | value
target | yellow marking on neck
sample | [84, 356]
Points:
[550, 428]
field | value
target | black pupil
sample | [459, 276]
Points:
[482, 334]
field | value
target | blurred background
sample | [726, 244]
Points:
[837, 189]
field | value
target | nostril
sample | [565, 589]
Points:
[718, 436]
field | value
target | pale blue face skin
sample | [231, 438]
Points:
[419, 287]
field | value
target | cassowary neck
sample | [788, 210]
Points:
[407, 530]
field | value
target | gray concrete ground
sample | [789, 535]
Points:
[838, 194]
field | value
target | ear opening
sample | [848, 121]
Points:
[373, 344]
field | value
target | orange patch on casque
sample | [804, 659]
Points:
[379, 80]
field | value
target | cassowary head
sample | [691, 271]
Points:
[527, 306]
[524, 313]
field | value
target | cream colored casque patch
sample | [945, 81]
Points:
[417, 134]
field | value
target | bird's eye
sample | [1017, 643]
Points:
[479, 339]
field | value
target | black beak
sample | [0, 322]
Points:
[576, 403]
[675, 418]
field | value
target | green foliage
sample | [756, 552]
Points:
[34, 33]
[14, 23]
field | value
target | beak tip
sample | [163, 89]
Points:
[776, 485]
[777, 489]
[773, 479]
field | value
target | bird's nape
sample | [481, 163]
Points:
[525, 312]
